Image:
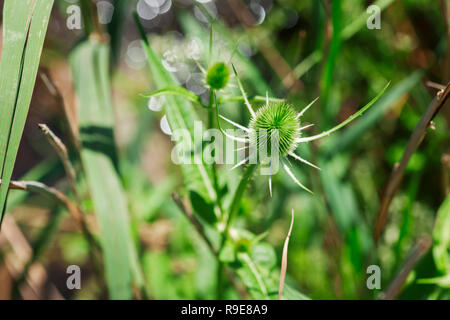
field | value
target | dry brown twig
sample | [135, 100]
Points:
[417, 252]
[61, 150]
[59, 85]
[198, 226]
[75, 209]
[398, 171]
[52, 193]
[41, 188]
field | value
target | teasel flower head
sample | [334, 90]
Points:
[276, 127]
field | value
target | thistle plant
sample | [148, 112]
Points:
[272, 136]
[281, 130]
[212, 244]
[276, 128]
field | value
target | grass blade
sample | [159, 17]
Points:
[24, 29]
[353, 133]
[180, 115]
[90, 63]
[441, 238]
[328, 73]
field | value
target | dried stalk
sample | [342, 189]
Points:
[42, 189]
[58, 196]
[398, 171]
[75, 209]
[418, 251]
[61, 150]
[284, 258]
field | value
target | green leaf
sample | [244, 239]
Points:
[443, 281]
[328, 72]
[177, 91]
[228, 253]
[148, 201]
[90, 65]
[353, 133]
[340, 194]
[261, 282]
[181, 116]
[289, 293]
[24, 29]
[264, 255]
[254, 263]
[441, 238]
[204, 209]
[252, 277]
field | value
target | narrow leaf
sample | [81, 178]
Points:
[181, 116]
[349, 119]
[24, 30]
[90, 63]
[176, 91]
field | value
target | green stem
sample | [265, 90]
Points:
[248, 173]
[88, 17]
[92, 25]
[211, 109]
[235, 203]
[212, 124]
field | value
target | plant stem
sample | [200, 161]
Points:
[90, 18]
[63, 154]
[417, 252]
[395, 179]
[86, 12]
[199, 227]
[211, 110]
[213, 124]
[248, 173]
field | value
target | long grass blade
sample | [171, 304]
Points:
[24, 29]
[90, 63]
[180, 115]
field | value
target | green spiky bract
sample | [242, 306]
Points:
[277, 116]
[217, 76]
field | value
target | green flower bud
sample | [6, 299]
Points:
[217, 76]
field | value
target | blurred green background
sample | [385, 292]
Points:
[297, 50]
